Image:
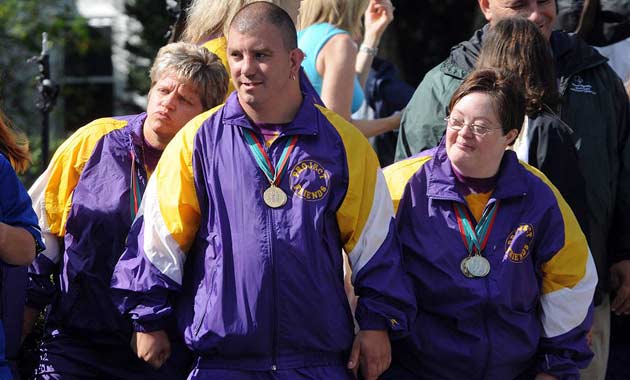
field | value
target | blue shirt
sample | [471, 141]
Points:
[15, 210]
[311, 40]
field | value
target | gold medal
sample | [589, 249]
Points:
[274, 197]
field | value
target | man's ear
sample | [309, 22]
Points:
[484, 5]
[296, 56]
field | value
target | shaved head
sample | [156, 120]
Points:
[249, 19]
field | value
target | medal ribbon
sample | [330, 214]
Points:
[273, 174]
[475, 238]
[136, 192]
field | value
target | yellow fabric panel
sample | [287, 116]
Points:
[568, 266]
[397, 175]
[66, 167]
[177, 197]
[218, 46]
[477, 202]
[363, 166]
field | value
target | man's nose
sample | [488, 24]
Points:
[248, 66]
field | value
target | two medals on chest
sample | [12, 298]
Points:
[475, 265]
[273, 196]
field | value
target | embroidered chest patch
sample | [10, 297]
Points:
[309, 180]
[578, 85]
[518, 243]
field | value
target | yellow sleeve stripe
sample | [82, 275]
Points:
[218, 46]
[176, 195]
[362, 170]
[398, 174]
[66, 167]
[568, 266]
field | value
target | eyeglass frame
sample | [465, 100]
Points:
[474, 128]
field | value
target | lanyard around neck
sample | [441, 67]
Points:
[273, 173]
[476, 238]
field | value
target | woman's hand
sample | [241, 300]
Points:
[378, 15]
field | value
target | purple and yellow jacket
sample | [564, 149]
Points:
[85, 197]
[262, 288]
[532, 311]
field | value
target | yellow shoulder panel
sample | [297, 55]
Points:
[568, 266]
[66, 167]
[363, 166]
[177, 197]
[398, 174]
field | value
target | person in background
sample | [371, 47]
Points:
[245, 231]
[20, 241]
[618, 368]
[338, 69]
[502, 273]
[88, 196]
[545, 142]
[385, 94]
[591, 94]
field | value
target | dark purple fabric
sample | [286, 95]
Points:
[469, 185]
[64, 356]
[151, 155]
[13, 288]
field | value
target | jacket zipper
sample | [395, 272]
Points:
[486, 282]
[274, 310]
[274, 282]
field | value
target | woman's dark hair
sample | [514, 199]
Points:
[503, 87]
[518, 46]
[13, 145]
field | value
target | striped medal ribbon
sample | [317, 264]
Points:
[273, 196]
[475, 239]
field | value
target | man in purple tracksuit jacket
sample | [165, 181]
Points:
[89, 196]
[241, 235]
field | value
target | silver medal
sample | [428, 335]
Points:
[477, 266]
[274, 197]
[463, 268]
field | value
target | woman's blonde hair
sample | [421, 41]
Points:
[14, 145]
[344, 14]
[207, 19]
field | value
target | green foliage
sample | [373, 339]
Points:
[21, 25]
[153, 21]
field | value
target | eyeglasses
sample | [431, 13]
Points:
[457, 125]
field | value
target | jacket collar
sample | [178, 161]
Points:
[305, 122]
[511, 182]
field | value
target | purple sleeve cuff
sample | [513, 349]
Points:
[368, 320]
[40, 290]
[149, 326]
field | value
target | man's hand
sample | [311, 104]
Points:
[372, 352]
[544, 376]
[152, 347]
[620, 282]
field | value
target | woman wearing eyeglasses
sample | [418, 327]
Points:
[501, 270]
